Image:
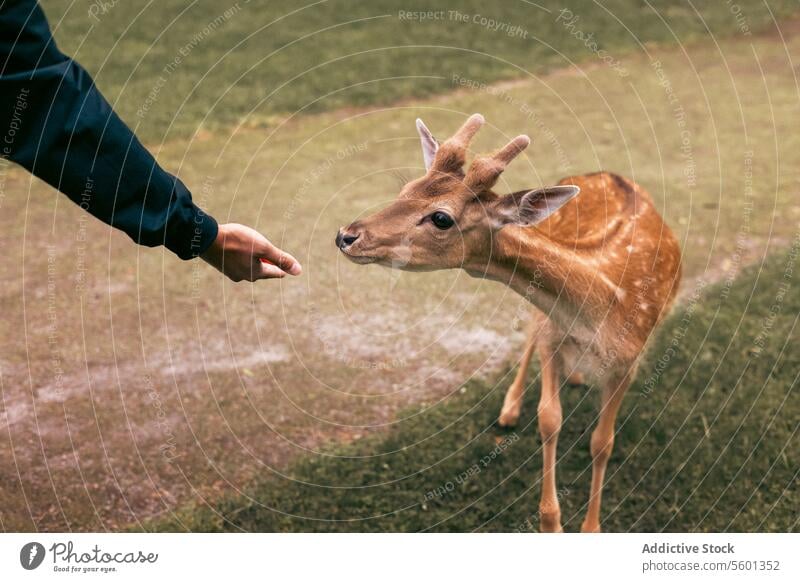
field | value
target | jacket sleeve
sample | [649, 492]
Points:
[56, 124]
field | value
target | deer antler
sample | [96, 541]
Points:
[485, 170]
[452, 154]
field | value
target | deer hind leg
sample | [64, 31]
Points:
[509, 414]
[549, 427]
[602, 444]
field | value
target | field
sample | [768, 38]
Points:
[708, 442]
[142, 392]
[171, 67]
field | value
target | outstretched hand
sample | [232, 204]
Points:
[243, 254]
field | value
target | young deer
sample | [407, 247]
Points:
[601, 268]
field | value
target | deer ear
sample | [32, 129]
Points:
[429, 144]
[530, 207]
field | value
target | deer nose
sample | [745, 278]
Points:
[345, 239]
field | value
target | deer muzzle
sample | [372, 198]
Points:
[344, 239]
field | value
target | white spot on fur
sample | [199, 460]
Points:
[619, 292]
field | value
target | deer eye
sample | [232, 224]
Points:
[441, 220]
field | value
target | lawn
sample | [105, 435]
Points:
[133, 383]
[707, 441]
[171, 66]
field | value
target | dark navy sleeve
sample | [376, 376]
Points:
[56, 124]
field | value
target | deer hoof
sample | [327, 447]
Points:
[508, 419]
[550, 522]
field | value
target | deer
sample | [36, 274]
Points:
[600, 270]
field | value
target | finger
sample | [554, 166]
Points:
[265, 270]
[280, 258]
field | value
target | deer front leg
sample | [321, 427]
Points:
[549, 427]
[509, 414]
[602, 444]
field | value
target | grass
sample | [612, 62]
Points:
[257, 62]
[155, 382]
[707, 441]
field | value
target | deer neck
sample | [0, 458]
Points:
[562, 283]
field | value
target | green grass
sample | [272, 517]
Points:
[265, 60]
[707, 441]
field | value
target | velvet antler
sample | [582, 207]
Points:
[485, 170]
[452, 154]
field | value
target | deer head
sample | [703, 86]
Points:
[448, 218]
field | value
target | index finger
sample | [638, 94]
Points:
[272, 254]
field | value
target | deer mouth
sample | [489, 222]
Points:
[358, 259]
